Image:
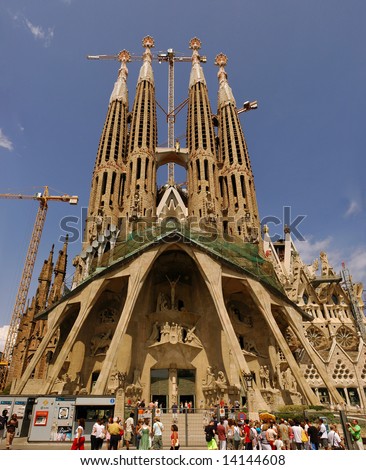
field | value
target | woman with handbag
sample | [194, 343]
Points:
[334, 439]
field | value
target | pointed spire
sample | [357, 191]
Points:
[225, 93]
[146, 72]
[196, 71]
[62, 258]
[60, 272]
[44, 282]
[120, 91]
[46, 272]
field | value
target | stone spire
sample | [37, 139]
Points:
[141, 169]
[60, 272]
[109, 176]
[202, 165]
[237, 192]
[44, 282]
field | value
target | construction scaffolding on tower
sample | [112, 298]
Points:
[358, 315]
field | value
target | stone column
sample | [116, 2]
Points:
[262, 300]
[173, 387]
[119, 407]
[212, 274]
[87, 299]
[136, 272]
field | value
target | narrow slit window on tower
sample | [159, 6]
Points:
[206, 169]
[221, 188]
[104, 182]
[121, 188]
[198, 169]
[147, 161]
[113, 182]
[233, 183]
[138, 169]
[242, 183]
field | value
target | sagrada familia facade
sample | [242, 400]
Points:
[179, 292]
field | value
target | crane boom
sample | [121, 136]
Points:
[26, 278]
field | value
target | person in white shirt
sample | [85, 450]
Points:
[323, 434]
[158, 429]
[334, 440]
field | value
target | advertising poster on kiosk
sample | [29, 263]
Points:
[53, 419]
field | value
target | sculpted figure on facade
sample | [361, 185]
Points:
[172, 292]
[99, 344]
[155, 332]
[313, 268]
[264, 376]
[162, 302]
[192, 339]
[288, 381]
[209, 381]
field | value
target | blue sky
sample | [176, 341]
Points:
[303, 61]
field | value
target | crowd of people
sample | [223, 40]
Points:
[229, 434]
[115, 433]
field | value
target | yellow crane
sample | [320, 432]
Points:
[26, 278]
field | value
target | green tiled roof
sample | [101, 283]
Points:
[243, 256]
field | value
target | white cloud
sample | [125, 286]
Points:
[309, 249]
[3, 335]
[357, 264]
[5, 141]
[353, 208]
[40, 33]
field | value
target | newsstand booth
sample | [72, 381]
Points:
[55, 418]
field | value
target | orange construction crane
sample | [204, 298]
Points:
[30, 260]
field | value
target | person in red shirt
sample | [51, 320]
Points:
[221, 433]
[248, 440]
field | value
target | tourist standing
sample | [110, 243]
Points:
[221, 433]
[79, 439]
[355, 431]
[114, 429]
[145, 435]
[158, 429]
[3, 423]
[284, 433]
[174, 438]
[323, 434]
[11, 426]
[313, 436]
[334, 440]
[129, 428]
[210, 435]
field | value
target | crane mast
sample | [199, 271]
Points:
[26, 278]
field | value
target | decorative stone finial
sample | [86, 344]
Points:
[124, 56]
[148, 41]
[195, 44]
[221, 60]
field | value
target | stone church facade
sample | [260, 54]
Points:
[179, 290]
